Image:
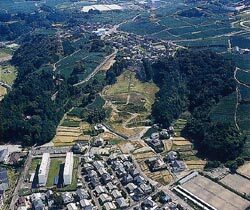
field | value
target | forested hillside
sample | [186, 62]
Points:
[195, 81]
[28, 114]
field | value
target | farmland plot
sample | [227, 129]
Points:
[214, 194]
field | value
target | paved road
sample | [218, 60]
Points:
[20, 181]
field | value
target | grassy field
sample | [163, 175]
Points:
[35, 162]
[55, 164]
[56, 167]
[8, 74]
[5, 52]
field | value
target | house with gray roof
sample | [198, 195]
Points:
[122, 203]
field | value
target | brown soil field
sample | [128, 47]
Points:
[237, 182]
[214, 194]
[245, 169]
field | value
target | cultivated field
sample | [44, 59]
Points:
[214, 194]
[237, 182]
[66, 135]
[184, 147]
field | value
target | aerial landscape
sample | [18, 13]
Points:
[124, 104]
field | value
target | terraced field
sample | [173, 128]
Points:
[130, 103]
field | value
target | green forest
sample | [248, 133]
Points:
[196, 81]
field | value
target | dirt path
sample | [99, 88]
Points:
[55, 64]
[238, 95]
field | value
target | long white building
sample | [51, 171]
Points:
[68, 168]
[44, 169]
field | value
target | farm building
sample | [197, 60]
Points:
[44, 169]
[68, 168]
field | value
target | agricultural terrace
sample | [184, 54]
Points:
[184, 147]
[130, 103]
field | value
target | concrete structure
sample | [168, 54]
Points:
[44, 169]
[68, 168]
[4, 155]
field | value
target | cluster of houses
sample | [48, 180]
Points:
[104, 185]
[155, 140]
[138, 47]
[135, 184]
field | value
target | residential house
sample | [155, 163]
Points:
[72, 206]
[131, 187]
[171, 156]
[178, 166]
[4, 153]
[110, 186]
[116, 194]
[134, 173]
[38, 204]
[86, 204]
[122, 203]
[98, 142]
[67, 198]
[105, 198]
[139, 179]
[100, 189]
[146, 188]
[127, 179]
[82, 194]
[150, 203]
[109, 206]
